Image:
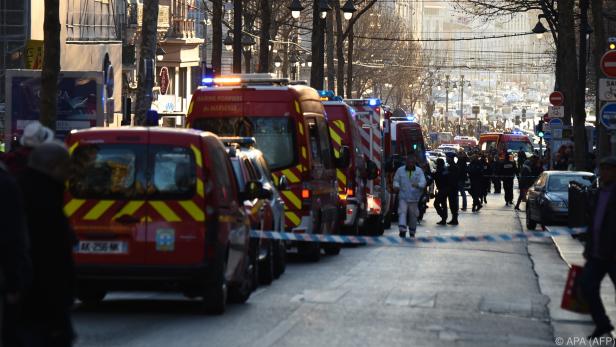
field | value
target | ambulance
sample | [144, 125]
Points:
[289, 126]
[157, 209]
[369, 117]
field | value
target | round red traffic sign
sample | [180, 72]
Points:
[608, 64]
[557, 98]
[546, 118]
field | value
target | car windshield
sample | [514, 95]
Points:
[274, 136]
[515, 146]
[560, 183]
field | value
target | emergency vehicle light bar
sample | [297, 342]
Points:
[364, 102]
[246, 79]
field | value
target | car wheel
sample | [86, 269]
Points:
[266, 268]
[280, 258]
[331, 248]
[530, 224]
[215, 294]
[311, 251]
[239, 293]
[91, 296]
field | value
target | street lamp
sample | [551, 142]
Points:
[324, 8]
[228, 42]
[248, 41]
[348, 9]
[160, 53]
[296, 8]
[539, 29]
[309, 61]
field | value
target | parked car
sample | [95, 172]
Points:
[548, 199]
[266, 211]
[157, 208]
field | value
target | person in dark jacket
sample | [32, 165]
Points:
[462, 175]
[47, 303]
[452, 195]
[495, 170]
[486, 172]
[475, 173]
[441, 180]
[34, 134]
[15, 270]
[507, 173]
[600, 247]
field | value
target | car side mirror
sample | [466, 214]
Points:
[253, 190]
[372, 170]
[344, 159]
[283, 183]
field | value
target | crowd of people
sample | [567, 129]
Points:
[36, 243]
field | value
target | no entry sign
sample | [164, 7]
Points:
[557, 98]
[608, 64]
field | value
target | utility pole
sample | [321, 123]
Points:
[446, 98]
[579, 116]
[461, 100]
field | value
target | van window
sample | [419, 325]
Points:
[488, 146]
[275, 136]
[107, 171]
[325, 144]
[222, 175]
[173, 172]
[239, 175]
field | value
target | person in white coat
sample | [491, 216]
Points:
[409, 183]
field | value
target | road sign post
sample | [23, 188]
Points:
[556, 112]
[557, 98]
[608, 64]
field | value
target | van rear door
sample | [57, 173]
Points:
[106, 197]
[175, 186]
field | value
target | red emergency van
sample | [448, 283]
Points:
[157, 208]
[505, 142]
[289, 126]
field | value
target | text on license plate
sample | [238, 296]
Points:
[102, 247]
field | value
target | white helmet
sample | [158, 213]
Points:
[35, 134]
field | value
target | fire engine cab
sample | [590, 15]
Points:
[289, 126]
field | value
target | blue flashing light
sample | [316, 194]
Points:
[326, 94]
[374, 102]
[206, 81]
[411, 117]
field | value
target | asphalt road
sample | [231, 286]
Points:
[470, 294]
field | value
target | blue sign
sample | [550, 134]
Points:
[608, 115]
[547, 136]
[556, 121]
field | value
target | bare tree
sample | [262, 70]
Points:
[51, 64]
[147, 54]
[217, 16]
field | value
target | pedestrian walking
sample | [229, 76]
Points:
[495, 170]
[47, 303]
[485, 178]
[521, 157]
[409, 182]
[425, 197]
[600, 247]
[15, 270]
[441, 180]
[452, 196]
[462, 176]
[507, 173]
[475, 173]
[525, 180]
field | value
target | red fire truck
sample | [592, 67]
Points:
[369, 118]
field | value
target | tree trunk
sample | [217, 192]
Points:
[266, 24]
[237, 36]
[147, 52]
[349, 81]
[579, 117]
[603, 144]
[217, 14]
[567, 55]
[51, 64]
[339, 51]
[329, 33]
[316, 71]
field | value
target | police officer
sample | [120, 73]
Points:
[452, 191]
[441, 180]
[507, 173]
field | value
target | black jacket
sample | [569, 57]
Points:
[507, 169]
[607, 236]
[52, 240]
[15, 266]
[441, 180]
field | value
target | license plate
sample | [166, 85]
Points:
[101, 247]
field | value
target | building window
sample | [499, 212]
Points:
[93, 20]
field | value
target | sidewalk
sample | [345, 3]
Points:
[552, 258]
